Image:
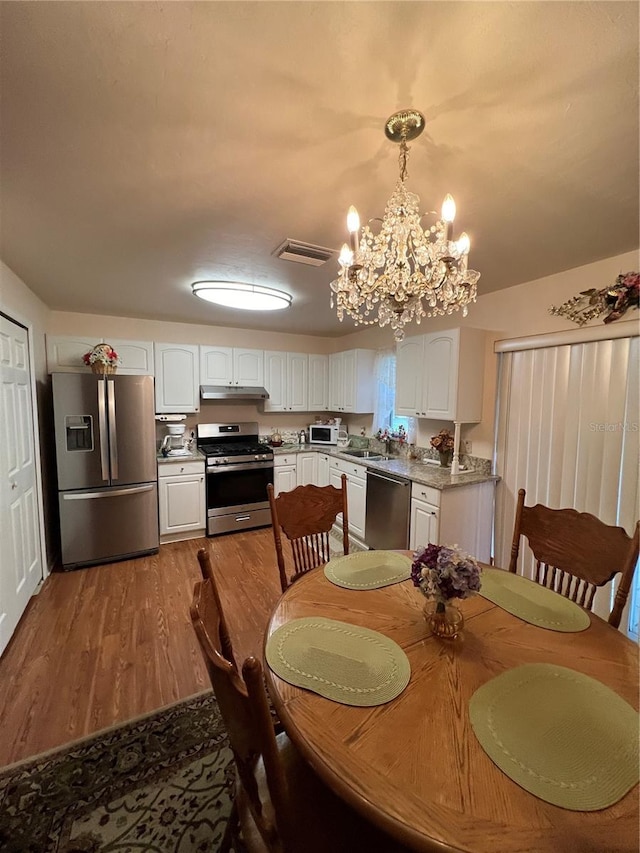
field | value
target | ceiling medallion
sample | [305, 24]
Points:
[403, 273]
[236, 294]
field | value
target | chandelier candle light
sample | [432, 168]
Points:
[386, 278]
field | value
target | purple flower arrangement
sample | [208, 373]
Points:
[444, 572]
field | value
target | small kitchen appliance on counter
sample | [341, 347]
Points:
[324, 433]
[238, 468]
[173, 444]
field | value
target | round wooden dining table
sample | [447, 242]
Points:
[413, 766]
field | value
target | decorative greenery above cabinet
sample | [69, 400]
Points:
[440, 375]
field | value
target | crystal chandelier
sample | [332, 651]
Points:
[403, 273]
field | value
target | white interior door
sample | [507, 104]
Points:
[20, 554]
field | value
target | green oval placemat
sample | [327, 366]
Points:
[533, 602]
[352, 665]
[368, 569]
[559, 734]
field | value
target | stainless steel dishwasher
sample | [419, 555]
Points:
[388, 511]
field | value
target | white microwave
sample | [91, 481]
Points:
[323, 433]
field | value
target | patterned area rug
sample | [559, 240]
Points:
[161, 783]
[335, 544]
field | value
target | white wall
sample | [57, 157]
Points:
[20, 304]
[127, 328]
[517, 311]
[23, 306]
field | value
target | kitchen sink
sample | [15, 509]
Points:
[367, 454]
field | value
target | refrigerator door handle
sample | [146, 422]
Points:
[113, 438]
[102, 426]
[111, 493]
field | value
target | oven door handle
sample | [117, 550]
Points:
[242, 466]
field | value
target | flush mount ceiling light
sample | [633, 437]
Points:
[385, 277]
[236, 294]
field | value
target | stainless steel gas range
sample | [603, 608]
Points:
[238, 469]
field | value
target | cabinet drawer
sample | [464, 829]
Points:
[348, 468]
[425, 493]
[179, 469]
[281, 461]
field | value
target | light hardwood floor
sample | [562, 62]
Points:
[102, 645]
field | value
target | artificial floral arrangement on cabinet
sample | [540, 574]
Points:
[102, 359]
[613, 301]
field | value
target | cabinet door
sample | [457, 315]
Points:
[181, 504]
[177, 378]
[349, 383]
[216, 365]
[136, 357]
[335, 480]
[409, 382]
[318, 383]
[336, 382]
[248, 367]
[64, 354]
[357, 504]
[424, 524]
[297, 382]
[275, 380]
[440, 362]
[284, 479]
[322, 478]
[306, 468]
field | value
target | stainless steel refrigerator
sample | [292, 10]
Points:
[106, 461]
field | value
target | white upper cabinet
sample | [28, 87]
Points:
[231, 366]
[64, 354]
[318, 382]
[351, 381]
[440, 376]
[177, 378]
[136, 357]
[286, 380]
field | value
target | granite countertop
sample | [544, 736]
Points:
[192, 456]
[414, 470]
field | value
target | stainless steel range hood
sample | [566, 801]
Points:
[235, 392]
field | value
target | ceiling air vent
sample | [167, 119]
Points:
[303, 253]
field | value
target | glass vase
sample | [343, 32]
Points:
[445, 458]
[444, 620]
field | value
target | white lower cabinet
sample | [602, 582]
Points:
[356, 492]
[460, 516]
[424, 517]
[307, 469]
[285, 473]
[181, 496]
[322, 474]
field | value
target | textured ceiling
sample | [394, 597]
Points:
[148, 145]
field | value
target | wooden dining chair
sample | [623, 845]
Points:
[576, 553]
[306, 515]
[280, 805]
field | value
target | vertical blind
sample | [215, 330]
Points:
[567, 432]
